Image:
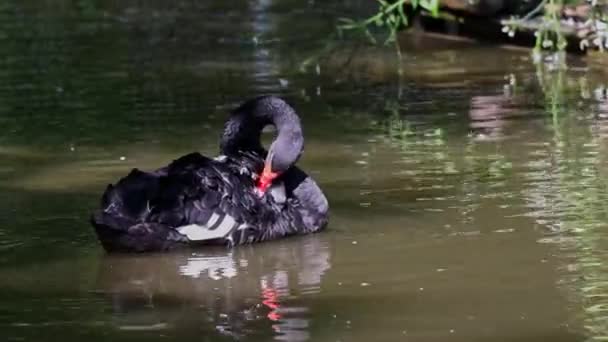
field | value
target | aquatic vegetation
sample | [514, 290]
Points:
[391, 15]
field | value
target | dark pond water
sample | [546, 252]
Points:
[468, 198]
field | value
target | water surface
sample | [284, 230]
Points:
[467, 198]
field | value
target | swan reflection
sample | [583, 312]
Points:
[244, 292]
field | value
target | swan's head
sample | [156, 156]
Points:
[288, 145]
[242, 133]
[284, 152]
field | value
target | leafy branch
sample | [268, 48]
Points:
[552, 28]
[390, 15]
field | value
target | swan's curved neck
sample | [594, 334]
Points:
[243, 130]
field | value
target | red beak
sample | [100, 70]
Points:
[266, 178]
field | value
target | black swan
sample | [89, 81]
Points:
[245, 195]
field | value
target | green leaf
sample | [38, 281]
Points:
[346, 20]
[379, 22]
[370, 37]
[404, 19]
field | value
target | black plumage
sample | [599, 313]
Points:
[197, 200]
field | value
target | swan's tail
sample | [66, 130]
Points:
[121, 224]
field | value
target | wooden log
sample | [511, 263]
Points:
[489, 7]
[484, 20]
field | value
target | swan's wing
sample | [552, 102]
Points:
[219, 226]
[210, 200]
